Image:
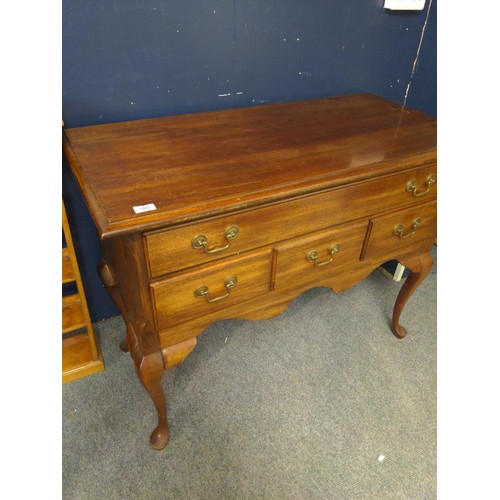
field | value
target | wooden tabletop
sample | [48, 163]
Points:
[197, 165]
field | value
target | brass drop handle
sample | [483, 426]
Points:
[203, 292]
[200, 242]
[312, 256]
[399, 229]
[411, 186]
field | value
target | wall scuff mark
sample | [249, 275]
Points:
[415, 62]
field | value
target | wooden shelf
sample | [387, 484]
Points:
[72, 313]
[80, 353]
[78, 358]
[68, 276]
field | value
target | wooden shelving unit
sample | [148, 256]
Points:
[80, 352]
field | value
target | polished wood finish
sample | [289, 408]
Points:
[219, 162]
[419, 265]
[334, 176]
[170, 250]
[175, 300]
[172, 356]
[383, 241]
[293, 269]
[80, 352]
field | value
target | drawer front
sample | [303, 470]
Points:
[195, 294]
[317, 257]
[396, 233]
[198, 243]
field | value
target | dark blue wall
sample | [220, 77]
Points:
[131, 59]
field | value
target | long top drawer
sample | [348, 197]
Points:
[194, 244]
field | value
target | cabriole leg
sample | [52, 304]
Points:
[419, 267]
[150, 370]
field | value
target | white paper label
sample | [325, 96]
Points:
[404, 4]
[144, 208]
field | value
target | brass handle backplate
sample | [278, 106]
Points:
[399, 229]
[203, 292]
[411, 186]
[200, 242]
[312, 256]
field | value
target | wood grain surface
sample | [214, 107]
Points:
[222, 161]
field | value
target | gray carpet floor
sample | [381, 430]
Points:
[321, 402]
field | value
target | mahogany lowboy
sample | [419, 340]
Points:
[239, 211]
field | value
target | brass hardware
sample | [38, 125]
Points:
[399, 229]
[312, 256]
[202, 291]
[200, 242]
[411, 186]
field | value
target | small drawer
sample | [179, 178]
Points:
[397, 233]
[178, 248]
[195, 294]
[319, 256]
[200, 243]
